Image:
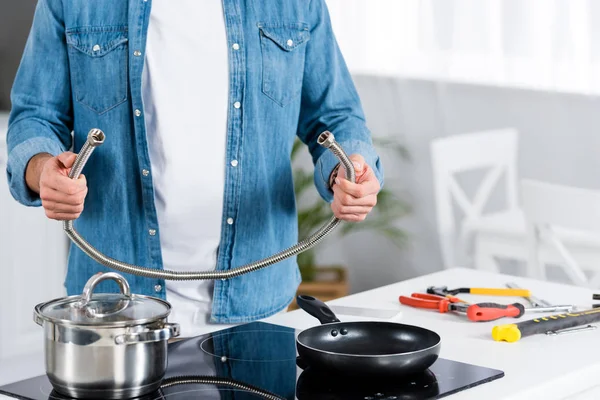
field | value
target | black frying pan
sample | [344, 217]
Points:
[365, 347]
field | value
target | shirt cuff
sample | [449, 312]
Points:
[18, 158]
[327, 162]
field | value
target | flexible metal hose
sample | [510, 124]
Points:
[215, 380]
[96, 138]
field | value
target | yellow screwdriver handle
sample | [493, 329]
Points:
[552, 323]
[501, 292]
[507, 333]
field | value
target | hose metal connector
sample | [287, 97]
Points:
[96, 138]
[326, 139]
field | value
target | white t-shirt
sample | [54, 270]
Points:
[185, 93]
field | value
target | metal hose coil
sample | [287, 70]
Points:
[96, 138]
[215, 380]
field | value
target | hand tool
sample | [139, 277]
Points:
[481, 312]
[565, 308]
[540, 305]
[551, 325]
[443, 290]
[430, 301]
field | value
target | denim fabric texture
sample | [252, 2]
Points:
[82, 69]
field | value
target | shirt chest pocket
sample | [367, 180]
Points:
[98, 60]
[283, 52]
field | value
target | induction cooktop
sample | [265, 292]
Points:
[259, 361]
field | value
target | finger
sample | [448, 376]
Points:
[66, 159]
[58, 197]
[61, 216]
[352, 217]
[343, 198]
[344, 216]
[62, 208]
[358, 190]
[359, 167]
[63, 184]
[358, 161]
[82, 180]
[367, 201]
[346, 200]
[354, 209]
[368, 178]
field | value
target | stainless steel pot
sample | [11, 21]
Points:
[106, 345]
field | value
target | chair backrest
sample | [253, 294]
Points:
[548, 206]
[493, 149]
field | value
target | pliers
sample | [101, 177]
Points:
[431, 301]
[475, 312]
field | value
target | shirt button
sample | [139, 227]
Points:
[157, 288]
[290, 42]
[152, 232]
[145, 172]
[234, 163]
[138, 113]
[137, 53]
[237, 104]
[96, 47]
[230, 221]
[236, 46]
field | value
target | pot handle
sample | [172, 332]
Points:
[167, 332]
[89, 287]
[37, 319]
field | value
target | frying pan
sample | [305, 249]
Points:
[365, 348]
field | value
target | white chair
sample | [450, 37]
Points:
[489, 235]
[563, 229]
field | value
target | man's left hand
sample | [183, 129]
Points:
[353, 201]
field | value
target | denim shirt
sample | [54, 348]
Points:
[82, 69]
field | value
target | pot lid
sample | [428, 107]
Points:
[114, 309]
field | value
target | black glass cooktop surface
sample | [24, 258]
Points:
[254, 360]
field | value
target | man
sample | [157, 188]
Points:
[200, 102]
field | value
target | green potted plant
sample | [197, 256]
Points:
[313, 212]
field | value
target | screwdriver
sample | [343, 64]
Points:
[484, 312]
[553, 324]
[475, 312]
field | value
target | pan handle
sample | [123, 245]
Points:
[317, 309]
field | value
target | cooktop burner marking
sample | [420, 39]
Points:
[224, 358]
[48, 392]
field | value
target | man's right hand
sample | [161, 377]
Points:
[62, 197]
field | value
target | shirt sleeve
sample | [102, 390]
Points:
[41, 116]
[330, 102]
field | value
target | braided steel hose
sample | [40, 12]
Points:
[215, 380]
[96, 138]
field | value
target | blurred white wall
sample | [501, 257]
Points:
[431, 68]
[539, 44]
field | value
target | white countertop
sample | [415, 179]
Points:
[536, 367]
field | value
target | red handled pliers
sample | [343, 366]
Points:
[434, 302]
[475, 312]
